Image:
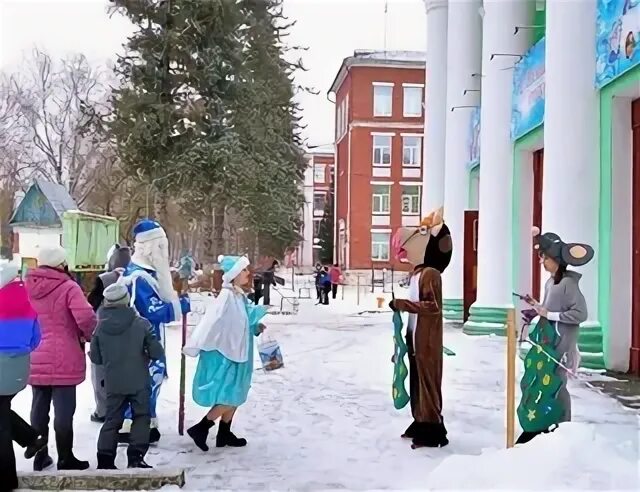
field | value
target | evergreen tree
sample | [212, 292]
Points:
[325, 232]
[153, 106]
[267, 123]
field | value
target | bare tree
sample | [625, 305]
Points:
[59, 107]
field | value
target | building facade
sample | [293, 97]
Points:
[379, 153]
[318, 193]
[552, 140]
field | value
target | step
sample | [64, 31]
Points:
[153, 479]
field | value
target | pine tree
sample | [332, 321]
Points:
[267, 122]
[154, 105]
[325, 233]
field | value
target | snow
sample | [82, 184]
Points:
[326, 420]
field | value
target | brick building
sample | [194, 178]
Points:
[379, 131]
[318, 188]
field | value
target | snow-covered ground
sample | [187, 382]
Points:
[326, 420]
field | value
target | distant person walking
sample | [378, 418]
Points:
[58, 365]
[335, 275]
[19, 336]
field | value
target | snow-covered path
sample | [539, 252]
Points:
[326, 420]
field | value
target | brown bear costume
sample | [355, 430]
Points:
[428, 248]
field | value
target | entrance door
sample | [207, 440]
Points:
[538, 164]
[634, 365]
[470, 269]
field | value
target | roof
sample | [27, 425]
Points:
[328, 149]
[369, 58]
[32, 210]
[58, 196]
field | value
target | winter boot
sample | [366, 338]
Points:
[95, 418]
[106, 462]
[137, 461]
[200, 432]
[227, 438]
[66, 459]
[39, 444]
[42, 460]
[154, 435]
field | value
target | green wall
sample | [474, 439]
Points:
[606, 188]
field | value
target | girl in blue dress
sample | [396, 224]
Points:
[223, 341]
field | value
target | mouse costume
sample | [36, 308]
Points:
[545, 401]
[429, 249]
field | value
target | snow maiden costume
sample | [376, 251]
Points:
[545, 399]
[148, 276]
[223, 340]
[429, 249]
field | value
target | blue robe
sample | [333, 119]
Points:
[158, 312]
[220, 381]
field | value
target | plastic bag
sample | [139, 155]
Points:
[270, 353]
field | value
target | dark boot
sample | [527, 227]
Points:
[227, 438]
[66, 459]
[154, 435]
[95, 418]
[39, 444]
[137, 461]
[200, 432]
[42, 460]
[410, 433]
[106, 462]
[430, 436]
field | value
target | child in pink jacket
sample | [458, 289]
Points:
[58, 365]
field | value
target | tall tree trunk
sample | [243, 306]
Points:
[208, 256]
[218, 228]
[160, 212]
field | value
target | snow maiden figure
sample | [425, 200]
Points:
[545, 399]
[224, 341]
[148, 276]
[428, 248]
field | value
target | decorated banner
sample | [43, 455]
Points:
[527, 110]
[473, 140]
[617, 38]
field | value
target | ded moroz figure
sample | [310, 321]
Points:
[148, 276]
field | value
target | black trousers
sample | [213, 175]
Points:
[324, 298]
[64, 406]
[12, 428]
[139, 436]
[334, 290]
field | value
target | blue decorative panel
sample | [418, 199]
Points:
[527, 110]
[473, 139]
[617, 39]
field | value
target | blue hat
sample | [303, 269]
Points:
[232, 266]
[148, 230]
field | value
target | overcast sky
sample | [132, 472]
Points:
[331, 29]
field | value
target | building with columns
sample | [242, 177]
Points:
[541, 127]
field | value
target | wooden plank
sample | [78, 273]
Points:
[102, 480]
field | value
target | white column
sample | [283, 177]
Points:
[496, 147]
[464, 58]
[435, 106]
[571, 178]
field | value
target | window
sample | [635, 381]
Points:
[319, 202]
[382, 100]
[411, 151]
[316, 227]
[382, 150]
[380, 246]
[381, 199]
[339, 122]
[319, 173]
[412, 103]
[410, 200]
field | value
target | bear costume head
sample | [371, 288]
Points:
[426, 246]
